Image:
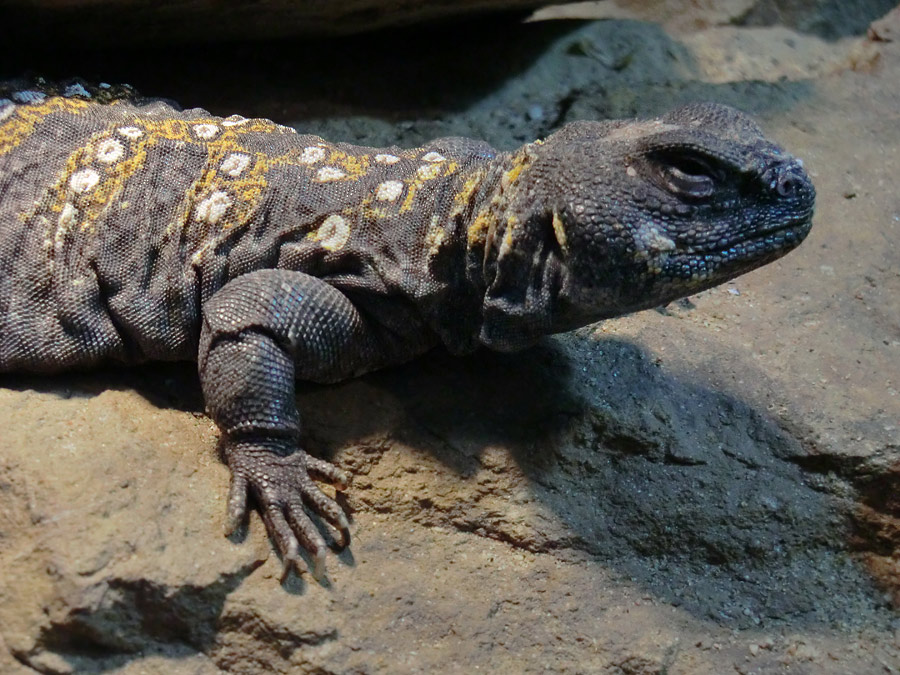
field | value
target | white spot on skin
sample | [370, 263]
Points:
[7, 108]
[234, 121]
[433, 157]
[75, 89]
[428, 171]
[68, 216]
[84, 180]
[213, 207]
[631, 171]
[387, 159]
[235, 163]
[198, 254]
[656, 242]
[131, 133]
[206, 131]
[109, 150]
[333, 233]
[389, 190]
[311, 155]
[329, 173]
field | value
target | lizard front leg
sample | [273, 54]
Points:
[260, 332]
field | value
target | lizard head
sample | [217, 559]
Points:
[607, 218]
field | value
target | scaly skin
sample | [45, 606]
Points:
[132, 231]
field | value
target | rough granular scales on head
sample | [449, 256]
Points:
[131, 230]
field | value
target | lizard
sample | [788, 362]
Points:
[132, 230]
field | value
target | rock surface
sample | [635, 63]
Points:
[127, 22]
[704, 489]
[87, 23]
[828, 19]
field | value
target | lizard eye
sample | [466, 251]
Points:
[688, 176]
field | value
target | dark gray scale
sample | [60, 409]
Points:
[52, 312]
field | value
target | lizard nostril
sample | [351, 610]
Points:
[788, 180]
[787, 185]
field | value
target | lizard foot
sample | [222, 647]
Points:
[283, 487]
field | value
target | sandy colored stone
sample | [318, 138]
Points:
[828, 19]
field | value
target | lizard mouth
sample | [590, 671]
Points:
[784, 236]
[726, 259]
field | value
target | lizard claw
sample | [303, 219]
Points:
[285, 493]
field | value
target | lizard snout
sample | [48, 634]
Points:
[789, 180]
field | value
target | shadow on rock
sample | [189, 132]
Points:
[165, 385]
[408, 86]
[684, 490]
[137, 612]
[829, 19]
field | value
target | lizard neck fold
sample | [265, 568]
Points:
[493, 219]
[513, 255]
[451, 295]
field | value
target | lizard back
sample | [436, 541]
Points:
[120, 217]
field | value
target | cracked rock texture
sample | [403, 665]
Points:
[708, 488]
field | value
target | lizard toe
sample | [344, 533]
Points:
[328, 473]
[309, 536]
[237, 503]
[323, 505]
[281, 531]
